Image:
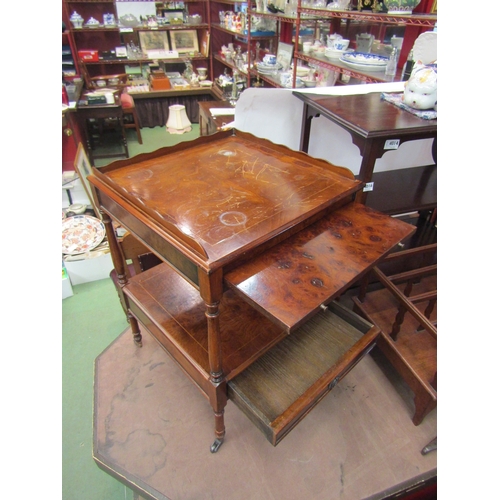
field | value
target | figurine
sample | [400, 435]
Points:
[421, 89]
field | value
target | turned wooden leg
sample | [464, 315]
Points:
[218, 398]
[136, 331]
[120, 268]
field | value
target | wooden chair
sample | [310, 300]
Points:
[403, 305]
[131, 119]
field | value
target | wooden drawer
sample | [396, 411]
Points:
[282, 386]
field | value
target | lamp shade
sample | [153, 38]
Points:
[178, 122]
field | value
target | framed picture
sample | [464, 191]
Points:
[184, 41]
[83, 169]
[154, 40]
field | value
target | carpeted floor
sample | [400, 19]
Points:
[91, 319]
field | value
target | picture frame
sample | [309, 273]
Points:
[83, 168]
[154, 40]
[184, 41]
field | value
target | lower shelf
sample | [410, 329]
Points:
[404, 190]
[282, 386]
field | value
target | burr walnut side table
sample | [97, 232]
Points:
[257, 242]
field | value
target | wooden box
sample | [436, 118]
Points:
[160, 83]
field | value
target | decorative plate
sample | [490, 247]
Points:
[425, 47]
[81, 233]
[365, 62]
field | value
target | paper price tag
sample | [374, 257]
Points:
[391, 144]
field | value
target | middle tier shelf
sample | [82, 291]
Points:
[173, 312]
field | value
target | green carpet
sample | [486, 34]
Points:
[91, 319]
[153, 138]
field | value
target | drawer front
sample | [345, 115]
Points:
[280, 388]
[157, 244]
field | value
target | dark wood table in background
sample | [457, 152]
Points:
[211, 124]
[371, 122]
[114, 112]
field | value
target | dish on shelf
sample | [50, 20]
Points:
[81, 234]
[206, 83]
[92, 23]
[299, 83]
[302, 70]
[129, 21]
[425, 47]
[268, 69]
[309, 83]
[336, 54]
[365, 62]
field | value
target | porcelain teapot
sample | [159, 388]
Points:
[421, 89]
[364, 42]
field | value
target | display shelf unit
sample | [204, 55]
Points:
[69, 66]
[245, 39]
[106, 39]
[365, 17]
[346, 22]
[319, 20]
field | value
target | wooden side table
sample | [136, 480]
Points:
[376, 126]
[257, 241]
[211, 124]
[114, 111]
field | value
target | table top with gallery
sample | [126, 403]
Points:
[257, 241]
[374, 125]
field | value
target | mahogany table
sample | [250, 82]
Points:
[257, 241]
[372, 122]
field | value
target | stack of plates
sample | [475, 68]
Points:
[333, 54]
[365, 62]
[268, 69]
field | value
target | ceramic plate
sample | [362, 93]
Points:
[378, 63]
[335, 54]
[268, 68]
[81, 233]
[425, 47]
[365, 59]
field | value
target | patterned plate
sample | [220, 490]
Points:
[81, 233]
[365, 62]
[361, 58]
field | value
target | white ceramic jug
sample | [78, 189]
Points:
[364, 42]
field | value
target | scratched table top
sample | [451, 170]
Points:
[230, 190]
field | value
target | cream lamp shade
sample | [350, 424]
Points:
[178, 122]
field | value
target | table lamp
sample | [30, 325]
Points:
[178, 122]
